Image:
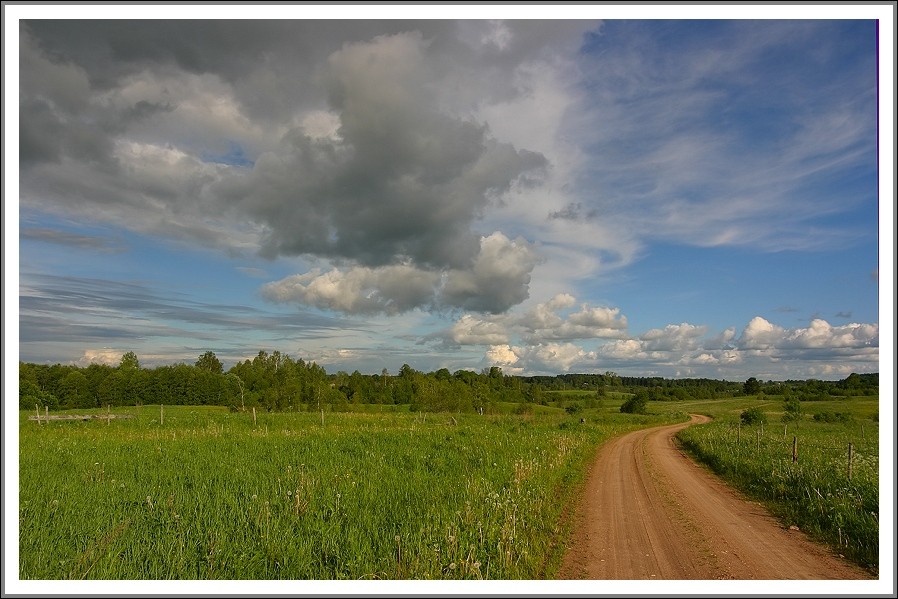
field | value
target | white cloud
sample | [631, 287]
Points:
[497, 279]
[544, 323]
[554, 357]
[504, 357]
[105, 356]
[674, 337]
[469, 330]
[359, 290]
[760, 334]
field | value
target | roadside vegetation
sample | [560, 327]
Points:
[813, 462]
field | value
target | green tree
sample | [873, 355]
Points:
[752, 386]
[129, 362]
[75, 391]
[209, 361]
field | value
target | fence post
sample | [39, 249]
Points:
[739, 432]
[849, 461]
[46, 414]
[38, 410]
[161, 414]
[254, 416]
[108, 414]
[794, 449]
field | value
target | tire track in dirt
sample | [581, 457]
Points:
[648, 512]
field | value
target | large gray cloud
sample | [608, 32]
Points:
[355, 142]
[400, 180]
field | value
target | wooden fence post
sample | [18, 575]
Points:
[46, 414]
[38, 410]
[794, 449]
[849, 461]
[161, 414]
[108, 414]
[254, 416]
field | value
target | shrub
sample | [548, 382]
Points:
[635, 405]
[832, 417]
[753, 416]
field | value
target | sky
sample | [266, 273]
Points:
[671, 197]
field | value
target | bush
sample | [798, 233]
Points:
[832, 417]
[753, 416]
[635, 405]
[792, 410]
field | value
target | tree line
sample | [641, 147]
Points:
[277, 382]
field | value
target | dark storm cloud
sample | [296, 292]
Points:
[122, 121]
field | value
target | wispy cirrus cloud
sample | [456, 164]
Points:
[75, 240]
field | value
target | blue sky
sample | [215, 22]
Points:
[671, 197]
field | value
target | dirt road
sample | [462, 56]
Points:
[648, 512]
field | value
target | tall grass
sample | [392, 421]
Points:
[210, 495]
[815, 492]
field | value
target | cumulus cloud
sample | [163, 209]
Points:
[497, 280]
[105, 356]
[337, 140]
[502, 355]
[359, 290]
[760, 334]
[674, 337]
[378, 170]
[554, 357]
[544, 322]
[469, 330]
[763, 348]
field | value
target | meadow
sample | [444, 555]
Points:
[211, 494]
[825, 492]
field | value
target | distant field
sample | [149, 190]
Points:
[814, 492]
[207, 494]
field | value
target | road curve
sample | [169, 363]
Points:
[649, 513]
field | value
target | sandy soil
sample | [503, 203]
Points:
[648, 512]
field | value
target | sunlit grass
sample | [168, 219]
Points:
[210, 495]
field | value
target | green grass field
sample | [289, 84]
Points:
[389, 494]
[207, 494]
[814, 492]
